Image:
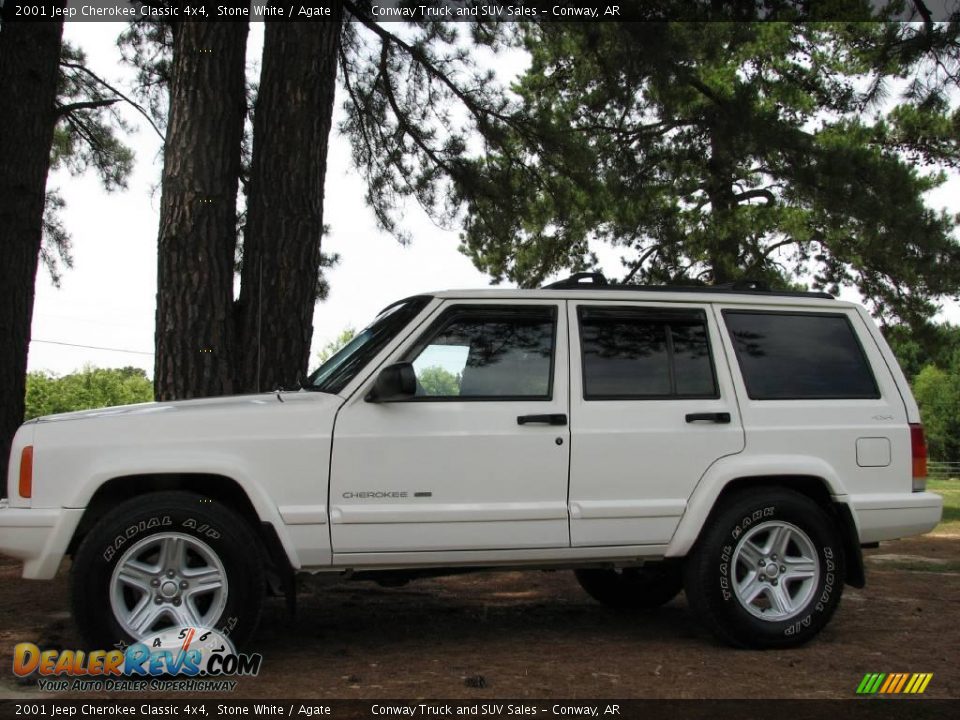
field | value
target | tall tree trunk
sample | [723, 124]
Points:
[29, 58]
[724, 246]
[281, 246]
[198, 237]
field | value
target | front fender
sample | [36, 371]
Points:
[198, 463]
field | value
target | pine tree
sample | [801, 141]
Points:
[29, 67]
[708, 152]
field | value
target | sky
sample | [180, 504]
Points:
[108, 299]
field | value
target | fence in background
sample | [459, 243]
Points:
[943, 470]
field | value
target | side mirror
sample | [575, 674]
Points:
[395, 382]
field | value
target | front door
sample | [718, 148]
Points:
[478, 459]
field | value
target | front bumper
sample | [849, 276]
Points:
[895, 515]
[37, 536]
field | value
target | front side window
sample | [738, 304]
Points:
[644, 353]
[488, 352]
[795, 356]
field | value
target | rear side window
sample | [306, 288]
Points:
[638, 353]
[794, 356]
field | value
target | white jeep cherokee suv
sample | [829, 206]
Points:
[733, 442]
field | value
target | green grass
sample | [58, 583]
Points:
[950, 490]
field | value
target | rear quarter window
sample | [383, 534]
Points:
[799, 356]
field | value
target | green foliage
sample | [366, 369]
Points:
[92, 387]
[929, 356]
[328, 350]
[439, 382]
[937, 391]
[85, 138]
[922, 345]
[86, 134]
[713, 151]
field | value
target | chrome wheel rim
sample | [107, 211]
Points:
[776, 570]
[167, 580]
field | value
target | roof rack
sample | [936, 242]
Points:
[597, 281]
[588, 280]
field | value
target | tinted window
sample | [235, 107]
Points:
[785, 356]
[488, 353]
[637, 353]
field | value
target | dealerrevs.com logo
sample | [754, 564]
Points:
[178, 659]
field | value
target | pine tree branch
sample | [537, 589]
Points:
[639, 263]
[364, 133]
[776, 246]
[96, 78]
[87, 105]
[402, 120]
[924, 13]
[750, 194]
[480, 113]
[80, 127]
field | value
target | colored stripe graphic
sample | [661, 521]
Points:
[894, 683]
[891, 680]
[903, 680]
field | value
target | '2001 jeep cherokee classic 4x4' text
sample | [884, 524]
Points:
[736, 443]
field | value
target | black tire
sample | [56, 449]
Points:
[718, 583]
[639, 588]
[193, 521]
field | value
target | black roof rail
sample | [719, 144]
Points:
[579, 280]
[597, 281]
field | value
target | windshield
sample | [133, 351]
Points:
[341, 368]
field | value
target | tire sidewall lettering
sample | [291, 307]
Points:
[726, 552]
[157, 522]
[202, 529]
[825, 591]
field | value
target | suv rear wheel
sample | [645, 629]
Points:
[167, 560]
[645, 587]
[768, 572]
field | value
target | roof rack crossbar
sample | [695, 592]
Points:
[579, 280]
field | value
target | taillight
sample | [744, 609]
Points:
[918, 449]
[26, 472]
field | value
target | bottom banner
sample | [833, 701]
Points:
[872, 709]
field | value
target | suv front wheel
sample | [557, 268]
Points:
[768, 571]
[167, 560]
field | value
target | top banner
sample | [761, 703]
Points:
[420, 11]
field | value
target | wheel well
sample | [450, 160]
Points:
[816, 489]
[813, 487]
[220, 488]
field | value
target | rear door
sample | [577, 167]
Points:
[652, 407]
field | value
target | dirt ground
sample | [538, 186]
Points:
[537, 635]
